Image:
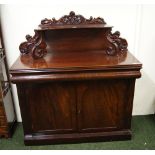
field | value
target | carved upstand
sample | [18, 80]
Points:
[75, 82]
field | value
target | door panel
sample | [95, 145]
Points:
[52, 107]
[100, 104]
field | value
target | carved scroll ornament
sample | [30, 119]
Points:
[71, 19]
[35, 46]
[117, 44]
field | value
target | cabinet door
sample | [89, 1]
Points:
[52, 107]
[100, 104]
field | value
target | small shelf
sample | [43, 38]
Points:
[90, 26]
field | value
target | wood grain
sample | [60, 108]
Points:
[75, 33]
[82, 89]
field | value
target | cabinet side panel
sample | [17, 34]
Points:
[24, 108]
[129, 103]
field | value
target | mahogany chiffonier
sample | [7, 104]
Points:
[75, 81]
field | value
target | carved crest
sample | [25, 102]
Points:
[71, 19]
[36, 45]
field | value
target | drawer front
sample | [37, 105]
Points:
[1, 111]
[2, 121]
[3, 131]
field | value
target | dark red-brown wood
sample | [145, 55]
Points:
[75, 82]
[73, 33]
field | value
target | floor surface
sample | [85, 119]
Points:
[143, 128]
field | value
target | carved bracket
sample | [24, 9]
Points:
[117, 44]
[35, 46]
[71, 19]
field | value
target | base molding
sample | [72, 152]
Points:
[77, 137]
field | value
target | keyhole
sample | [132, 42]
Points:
[79, 111]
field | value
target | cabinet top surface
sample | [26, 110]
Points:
[75, 61]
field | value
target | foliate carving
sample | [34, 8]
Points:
[71, 19]
[117, 44]
[34, 45]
